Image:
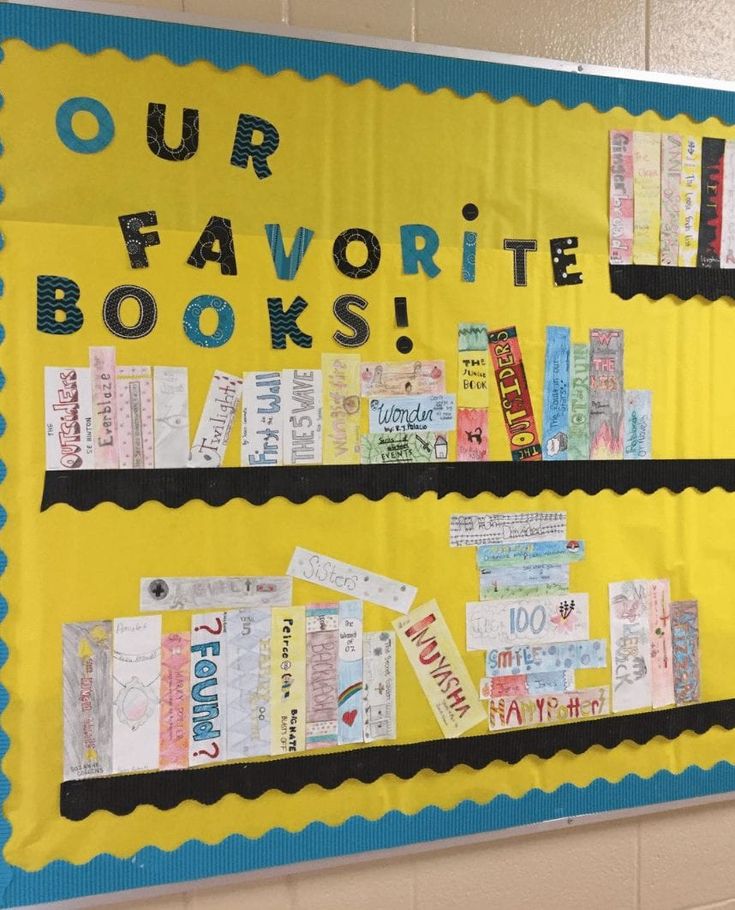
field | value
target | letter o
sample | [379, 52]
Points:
[538, 619]
[148, 312]
[65, 128]
[225, 321]
[521, 439]
[204, 668]
[372, 252]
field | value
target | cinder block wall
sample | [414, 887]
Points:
[683, 859]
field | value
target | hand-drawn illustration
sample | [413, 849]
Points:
[171, 416]
[606, 394]
[685, 647]
[136, 693]
[349, 673]
[630, 645]
[87, 672]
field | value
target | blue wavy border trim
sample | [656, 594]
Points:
[195, 860]
[182, 44]
[6, 872]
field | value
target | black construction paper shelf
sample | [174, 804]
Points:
[657, 281]
[174, 487]
[123, 793]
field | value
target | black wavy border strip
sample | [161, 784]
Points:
[166, 789]
[173, 487]
[656, 281]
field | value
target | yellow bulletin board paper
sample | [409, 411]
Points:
[270, 230]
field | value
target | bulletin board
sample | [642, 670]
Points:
[365, 428]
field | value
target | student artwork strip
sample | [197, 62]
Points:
[710, 221]
[403, 448]
[685, 649]
[556, 394]
[248, 714]
[412, 414]
[621, 197]
[524, 659]
[647, 197]
[507, 582]
[727, 245]
[420, 377]
[350, 673]
[551, 683]
[515, 399]
[341, 408]
[606, 394]
[439, 668]
[121, 795]
[87, 672]
[102, 370]
[351, 580]
[507, 712]
[288, 680]
[134, 392]
[505, 528]
[671, 145]
[215, 592]
[302, 416]
[379, 686]
[68, 419]
[136, 693]
[171, 416]
[542, 552]
[175, 692]
[690, 201]
[208, 717]
[630, 645]
[215, 424]
[322, 639]
[532, 620]
[261, 442]
[659, 633]
[638, 443]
